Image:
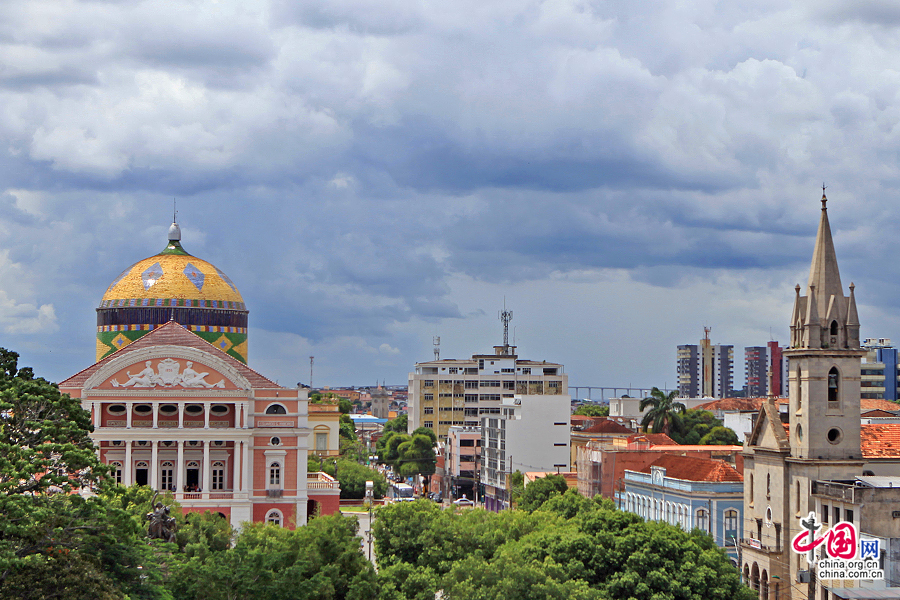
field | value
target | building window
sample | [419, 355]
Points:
[321, 442]
[768, 486]
[276, 409]
[526, 371]
[275, 474]
[118, 470]
[166, 479]
[218, 475]
[731, 524]
[428, 424]
[702, 520]
[274, 518]
[428, 383]
[429, 410]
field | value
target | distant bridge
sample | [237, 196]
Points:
[608, 392]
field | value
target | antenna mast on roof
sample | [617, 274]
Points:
[506, 316]
[437, 347]
[174, 211]
[310, 370]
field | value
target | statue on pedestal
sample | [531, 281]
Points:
[162, 525]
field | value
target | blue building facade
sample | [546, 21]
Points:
[715, 507]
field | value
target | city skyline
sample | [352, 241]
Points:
[371, 175]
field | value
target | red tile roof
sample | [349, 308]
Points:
[172, 334]
[880, 441]
[652, 438]
[604, 425]
[877, 404]
[733, 404]
[690, 468]
[878, 413]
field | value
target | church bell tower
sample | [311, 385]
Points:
[824, 360]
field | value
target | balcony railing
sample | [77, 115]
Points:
[167, 423]
[846, 492]
[274, 493]
[220, 495]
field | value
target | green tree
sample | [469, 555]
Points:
[397, 425]
[416, 456]
[353, 476]
[695, 426]
[540, 490]
[592, 410]
[321, 560]
[663, 411]
[516, 487]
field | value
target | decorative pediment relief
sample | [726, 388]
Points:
[167, 368]
[168, 373]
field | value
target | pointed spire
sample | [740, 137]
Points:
[823, 272]
[795, 315]
[852, 315]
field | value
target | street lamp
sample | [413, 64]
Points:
[370, 486]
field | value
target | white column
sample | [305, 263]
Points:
[154, 463]
[126, 476]
[179, 467]
[236, 467]
[206, 406]
[181, 406]
[207, 480]
[155, 406]
[128, 407]
[245, 467]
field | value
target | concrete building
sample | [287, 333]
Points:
[175, 407]
[463, 457]
[452, 392]
[692, 493]
[602, 465]
[879, 373]
[630, 408]
[531, 433]
[759, 362]
[706, 369]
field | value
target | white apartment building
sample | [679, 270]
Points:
[458, 392]
[531, 433]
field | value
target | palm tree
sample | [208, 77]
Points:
[663, 412]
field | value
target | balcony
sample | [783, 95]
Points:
[845, 491]
[321, 481]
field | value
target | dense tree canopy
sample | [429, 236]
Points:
[540, 490]
[592, 410]
[352, 476]
[571, 547]
[697, 426]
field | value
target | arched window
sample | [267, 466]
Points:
[833, 385]
[275, 473]
[218, 475]
[751, 488]
[731, 524]
[276, 409]
[834, 328]
[799, 391]
[768, 486]
[702, 519]
[274, 517]
[118, 468]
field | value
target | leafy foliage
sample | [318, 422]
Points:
[540, 490]
[397, 425]
[663, 410]
[592, 410]
[319, 561]
[697, 426]
[571, 547]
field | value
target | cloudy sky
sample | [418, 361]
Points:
[373, 173]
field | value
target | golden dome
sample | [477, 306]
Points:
[173, 285]
[172, 274]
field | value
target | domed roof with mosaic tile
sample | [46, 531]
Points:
[172, 285]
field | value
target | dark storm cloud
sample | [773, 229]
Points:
[371, 172]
